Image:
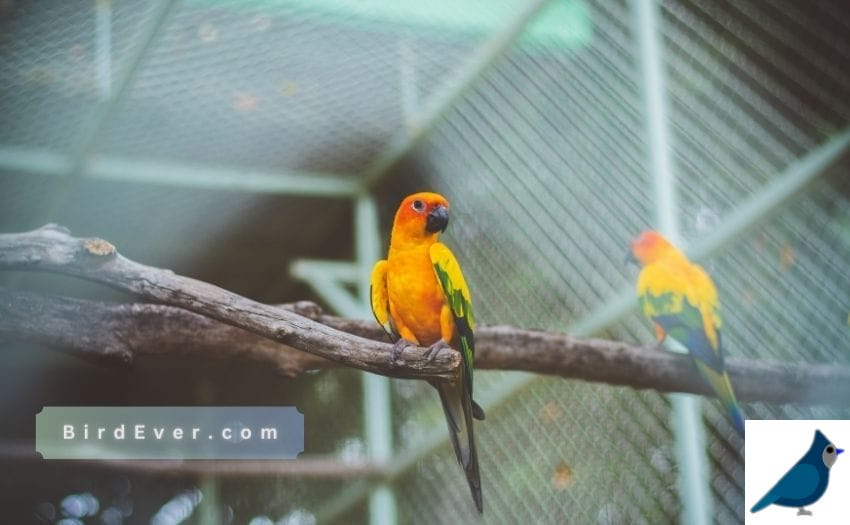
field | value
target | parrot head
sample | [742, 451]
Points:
[421, 215]
[650, 247]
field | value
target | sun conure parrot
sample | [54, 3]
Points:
[681, 300]
[419, 297]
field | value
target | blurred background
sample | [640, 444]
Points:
[250, 143]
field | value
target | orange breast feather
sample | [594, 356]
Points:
[416, 298]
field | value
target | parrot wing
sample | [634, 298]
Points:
[457, 294]
[683, 301]
[380, 299]
[456, 397]
[797, 483]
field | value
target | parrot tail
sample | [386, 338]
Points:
[736, 415]
[458, 407]
[723, 388]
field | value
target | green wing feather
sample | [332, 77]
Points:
[682, 300]
[457, 294]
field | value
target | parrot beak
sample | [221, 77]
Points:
[438, 220]
[838, 450]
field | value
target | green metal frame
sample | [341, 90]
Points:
[179, 174]
[103, 46]
[565, 24]
[693, 474]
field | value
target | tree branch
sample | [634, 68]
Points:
[116, 333]
[315, 467]
[52, 249]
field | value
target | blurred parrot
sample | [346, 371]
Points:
[681, 300]
[420, 298]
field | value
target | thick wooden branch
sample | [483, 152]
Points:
[119, 332]
[52, 249]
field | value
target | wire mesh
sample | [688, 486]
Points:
[48, 84]
[331, 92]
[553, 152]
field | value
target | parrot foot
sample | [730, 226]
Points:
[398, 348]
[803, 512]
[434, 349]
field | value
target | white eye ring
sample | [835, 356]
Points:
[418, 205]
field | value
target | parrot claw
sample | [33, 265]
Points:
[434, 349]
[398, 348]
[804, 512]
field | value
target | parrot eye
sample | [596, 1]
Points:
[418, 205]
[830, 450]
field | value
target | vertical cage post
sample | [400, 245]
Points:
[330, 279]
[103, 46]
[376, 389]
[688, 431]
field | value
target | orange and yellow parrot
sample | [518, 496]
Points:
[420, 298]
[681, 300]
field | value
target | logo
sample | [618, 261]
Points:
[795, 472]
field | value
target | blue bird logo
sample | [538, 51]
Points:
[806, 482]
